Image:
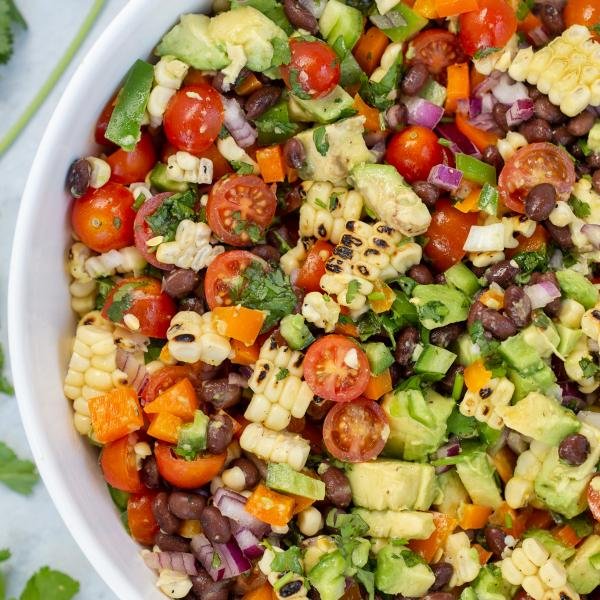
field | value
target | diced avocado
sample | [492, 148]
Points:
[327, 576]
[342, 148]
[191, 439]
[413, 23]
[551, 543]
[542, 339]
[541, 380]
[593, 140]
[413, 437]
[294, 331]
[160, 180]
[582, 575]
[453, 493]
[434, 362]
[520, 355]
[433, 92]
[380, 357]
[392, 484]
[468, 594]
[405, 524]
[541, 418]
[576, 286]
[439, 305]
[477, 474]
[275, 126]
[568, 339]
[490, 585]
[562, 486]
[462, 278]
[283, 478]
[339, 19]
[401, 571]
[468, 350]
[320, 110]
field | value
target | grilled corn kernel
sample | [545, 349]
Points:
[321, 310]
[185, 167]
[125, 260]
[484, 404]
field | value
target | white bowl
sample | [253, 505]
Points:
[40, 321]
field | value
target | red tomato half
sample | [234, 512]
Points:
[593, 497]
[142, 297]
[193, 118]
[140, 518]
[414, 151]
[118, 464]
[129, 167]
[335, 368]
[355, 431]
[240, 208]
[583, 12]
[536, 163]
[103, 218]
[436, 49]
[314, 68]
[163, 379]
[313, 268]
[447, 235]
[489, 27]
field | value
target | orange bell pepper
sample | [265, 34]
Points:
[378, 385]
[566, 534]
[476, 376]
[384, 299]
[244, 355]
[533, 243]
[450, 8]
[370, 48]
[165, 427]
[470, 203]
[427, 549]
[264, 592]
[459, 85]
[115, 414]
[476, 77]
[271, 164]
[504, 460]
[240, 323]
[249, 84]
[372, 115]
[179, 400]
[481, 139]
[426, 8]
[473, 516]
[270, 507]
[492, 299]
[484, 555]
[513, 522]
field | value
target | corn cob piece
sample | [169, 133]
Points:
[508, 145]
[321, 310]
[173, 584]
[264, 564]
[185, 167]
[519, 490]
[275, 446]
[140, 188]
[280, 393]
[463, 558]
[499, 60]
[169, 74]
[484, 404]
[293, 258]
[590, 323]
[125, 260]
[83, 288]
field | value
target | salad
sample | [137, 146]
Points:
[336, 269]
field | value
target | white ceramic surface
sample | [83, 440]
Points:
[40, 321]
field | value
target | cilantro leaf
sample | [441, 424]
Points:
[253, 231]
[524, 8]
[274, 125]
[487, 345]
[376, 93]
[353, 290]
[105, 286]
[17, 474]
[321, 141]
[288, 561]
[483, 52]
[153, 350]
[165, 219]
[529, 262]
[241, 167]
[296, 86]
[122, 301]
[281, 51]
[589, 368]
[580, 208]
[47, 584]
[269, 8]
[349, 525]
[433, 310]
[282, 374]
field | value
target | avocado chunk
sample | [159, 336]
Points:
[580, 573]
[405, 524]
[339, 19]
[392, 484]
[576, 286]
[477, 474]
[327, 576]
[191, 439]
[320, 110]
[380, 357]
[295, 332]
[468, 350]
[490, 585]
[275, 126]
[562, 486]
[389, 197]
[159, 180]
[439, 305]
[544, 340]
[401, 571]
[540, 418]
[417, 423]
[541, 380]
[283, 478]
[551, 543]
[462, 278]
[433, 362]
[453, 493]
[568, 339]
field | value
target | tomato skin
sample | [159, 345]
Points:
[414, 151]
[187, 474]
[313, 268]
[355, 431]
[447, 235]
[129, 167]
[315, 65]
[140, 518]
[152, 307]
[536, 242]
[193, 118]
[327, 373]
[103, 218]
[489, 27]
[582, 12]
[593, 497]
[102, 123]
[118, 464]
[436, 49]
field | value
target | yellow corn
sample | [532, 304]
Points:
[484, 404]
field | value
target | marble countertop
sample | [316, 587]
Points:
[30, 526]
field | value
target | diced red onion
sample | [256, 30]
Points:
[451, 132]
[204, 552]
[183, 562]
[237, 379]
[484, 121]
[235, 561]
[541, 294]
[422, 112]
[471, 107]
[519, 111]
[232, 505]
[508, 91]
[236, 123]
[488, 84]
[391, 19]
[249, 544]
[452, 448]
[516, 442]
[137, 377]
[445, 177]
[488, 102]
[443, 469]
[556, 260]
[538, 36]
[592, 233]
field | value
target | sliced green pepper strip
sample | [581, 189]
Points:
[488, 199]
[475, 170]
[125, 125]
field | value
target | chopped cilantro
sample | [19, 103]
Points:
[321, 141]
[589, 368]
[253, 231]
[433, 310]
[165, 219]
[105, 285]
[583, 146]
[138, 202]
[122, 301]
[153, 350]
[281, 52]
[289, 561]
[523, 8]
[241, 167]
[488, 199]
[580, 208]
[17, 474]
[487, 346]
[529, 262]
[296, 87]
[224, 133]
[483, 52]
[282, 374]
[353, 290]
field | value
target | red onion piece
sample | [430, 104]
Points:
[249, 544]
[204, 552]
[519, 111]
[488, 84]
[235, 561]
[236, 123]
[422, 112]
[470, 107]
[451, 132]
[484, 121]
[445, 177]
[592, 233]
[137, 376]
[183, 562]
[541, 294]
[452, 448]
[232, 505]
[538, 36]
[237, 379]
[488, 102]
[508, 91]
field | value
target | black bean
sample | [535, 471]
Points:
[517, 306]
[261, 100]
[552, 19]
[475, 312]
[581, 124]
[574, 449]
[267, 252]
[294, 153]
[593, 160]
[500, 326]
[491, 155]
[428, 192]
[171, 543]
[186, 505]
[166, 520]
[300, 17]
[261, 465]
[562, 136]
[596, 180]
[78, 177]
[207, 589]
[560, 235]
[337, 487]
[220, 393]
[495, 540]
[502, 273]
[218, 82]
[219, 434]
[443, 572]
[536, 130]
[192, 304]
[248, 468]
[576, 151]
[180, 282]
[499, 113]
[215, 526]
[582, 169]
[406, 342]
[540, 201]
[534, 93]
[149, 473]
[414, 79]
[544, 109]
[397, 116]
[444, 336]
[439, 596]
[318, 408]
[421, 274]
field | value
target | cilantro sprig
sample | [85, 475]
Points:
[9, 16]
[166, 218]
[17, 474]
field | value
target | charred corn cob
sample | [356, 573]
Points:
[293, 258]
[174, 584]
[126, 260]
[519, 490]
[510, 144]
[484, 404]
[499, 60]
[83, 288]
[463, 558]
[264, 564]
[321, 310]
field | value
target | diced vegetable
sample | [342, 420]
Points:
[270, 507]
[179, 400]
[165, 427]
[378, 385]
[271, 164]
[238, 322]
[115, 414]
[458, 87]
[370, 48]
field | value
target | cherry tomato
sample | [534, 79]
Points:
[129, 167]
[140, 518]
[163, 379]
[103, 218]
[536, 163]
[536, 242]
[335, 368]
[118, 464]
[489, 27]
[193, 118]
[102, 123]
[314, 68]
[414, 151]
[143, 298]
[447, 235]
[313, 268]
[355, 431]
[593, 497]
[582, 12]
[240, 208]
[436, 49]
[187, 474]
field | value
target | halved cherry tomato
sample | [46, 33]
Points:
[193, 118]
[593, 497]
[335, 368]
[583, 12]
[187, 474]
[447, 235]
[129, 167]
[163, 379]
[414, 151]
[536, 163]
[240, 208]
[436, 49]
[143, 298]
[355, 431]
[103, 218]
[118, 464]
[313, 268]
[489, 27]
[102, 123]
[533, 243]
[140, 518]
[313, 69]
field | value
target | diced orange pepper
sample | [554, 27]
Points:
[427, 549]
[476, 77]
[249, 84]
[165, 427]
[459, 85]
[514, 523]
[301, 503]
[482, 139]
[504, 460]
[476, 376]
[378, 385]
[539, 519]
[484, 555]
[473, 516]
[270, 507]
[165, 356]
[426, 8]
[291, 174]
[179, 400]
[244, 355]
[189, 528]
[566, 534]
[264, 592]
[492, 299]
[271, 164]
[115, 414]
[450, 8]
[384, 304]
[349, 329]
[470, 203]
[240, 323]
[533, 243]
[529, 23]
[372, 115]
[370, 48]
